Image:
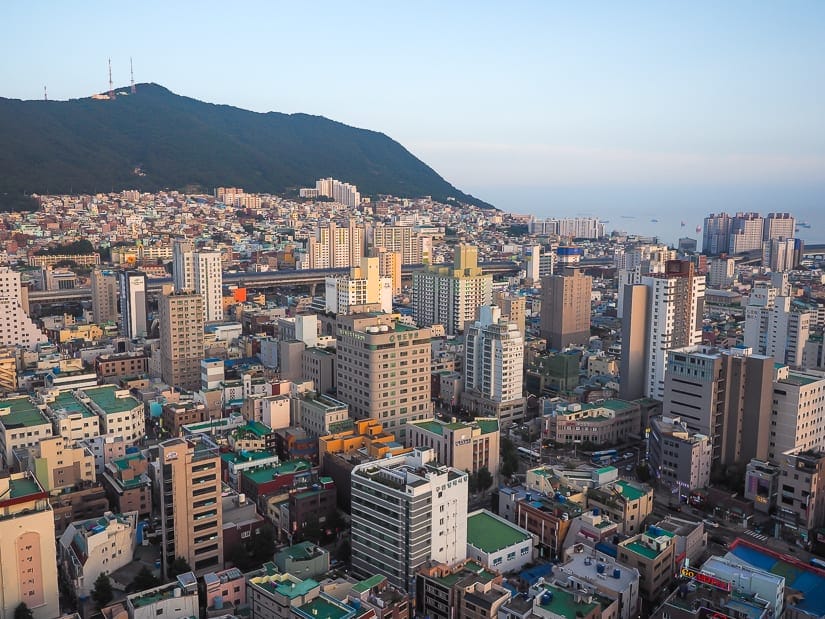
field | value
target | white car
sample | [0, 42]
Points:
[711, 523]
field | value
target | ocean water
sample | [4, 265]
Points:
[661, 211]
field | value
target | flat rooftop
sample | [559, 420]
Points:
[268, 473]
[22, 487]
[66, 401]
[564, 604]
[22, 413]
[489, 534]
[105, 397]
[629, 491]
[325, 608]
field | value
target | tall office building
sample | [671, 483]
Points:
[662, 313]
[200, 272]
[450, 296]
[28, 549]
[335, 247]
[798, 414]
[362, 290]
[565, 309]
[407, 510]
[189, 476]
[494, 366]
[746, 233]
[16, 328]
[403, 239]
[716, 235]
[513, 308]
[104, 295]
[778, 226]
[724, 394]
[134, 304]
[181, 339]
[382, 370]
[773, 328]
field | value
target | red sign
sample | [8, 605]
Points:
[706, 579]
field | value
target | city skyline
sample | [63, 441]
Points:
[625, 107]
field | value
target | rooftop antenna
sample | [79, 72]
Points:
[132, 72]
[111, 87]
[45, 94]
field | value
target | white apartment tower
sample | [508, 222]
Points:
[16, 328]
[402, 239]
[133, 304]
[662, 313]
[494, 357]
[335, 247]
[407, 510]
[362, 290]
[200, 272]
[450, 296]
[798, 413]
[773, 329]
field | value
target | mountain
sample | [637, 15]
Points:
[156, 140]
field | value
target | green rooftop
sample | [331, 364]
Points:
[630, 492]
[430, 426]
[369, 583]
[489, 534]
[22, 413]
[642, 550]
[123, 463]
[282, 584]
[67, 401]
[268, 473]
[800, 380]
[325, 608]
[605, 469]
[23, 487]
[248, 456]
[564, 604]
[487, 425]
[105, 398]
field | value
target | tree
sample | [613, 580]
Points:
[178, 566]
[22, 611]
[509, 457]
[102, 592]
[643, 473]
[264, 544]
[484, 479]
[344, 551]
[143, 580]
[472, 483]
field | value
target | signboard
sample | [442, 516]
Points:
[705, 579]
[707, 613]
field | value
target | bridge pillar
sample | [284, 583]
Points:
[312, 289]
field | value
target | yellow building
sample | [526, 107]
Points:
[366, 434]
[58, 465]
[28, 551]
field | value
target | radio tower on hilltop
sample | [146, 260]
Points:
[132, 73]
[111, 87]
[45, 94]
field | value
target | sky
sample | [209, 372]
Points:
[549, 106]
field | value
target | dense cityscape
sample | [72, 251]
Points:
[325, 405]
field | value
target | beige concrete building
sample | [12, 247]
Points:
[627, 503]
[321, 414]
[798, 413]
[318, 365]
[652, 554]
[513, 308]
[679, 457]
[401, 239]
[190, 503]
[364, 289]
[22, 424]
[181, 339]
[389, 266]
[59, 466]
[383, 370]
[463, 446]
[565, 309]
[800, 504]
[104, 296]
[27, 548]
[608, 421]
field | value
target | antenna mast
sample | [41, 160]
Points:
[111, 87]
[45, 94]
[132, 72]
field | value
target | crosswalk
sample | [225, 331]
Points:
[759, 536]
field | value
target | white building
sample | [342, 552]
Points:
[772, 328]
[798, 413]
[16, 328]
[134, 308]
[678, 456]
[721, 273]
[333, 246]
[497, 543]
[89, 548]
[363, 286]
[318, 414]
[407, 510]
[494, 357]
[183, 269]
[200, 272]
[176, 600]
[401, 239]
[120, 414]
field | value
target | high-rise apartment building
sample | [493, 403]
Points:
[389, 265]
[134, 304]
[773, 328]
[494, 366]
[28, 549]
[364, 289]
[403, 239]
[746, 233]
[189, 476]
[778, 226]
[382, 369]
[181, 339]
[779, 254]
[335, 247]
[513, 308]
[565, 309]
[200, 272]
[574, 227]
[662, 313]
[716, 235]
[16, 328]
[104, 295]
[798, 412]
[723, 394]
[407, 510]
[722, 272]
[450, 296]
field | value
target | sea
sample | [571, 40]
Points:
[665, 213]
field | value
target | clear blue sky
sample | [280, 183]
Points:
[492, 95]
